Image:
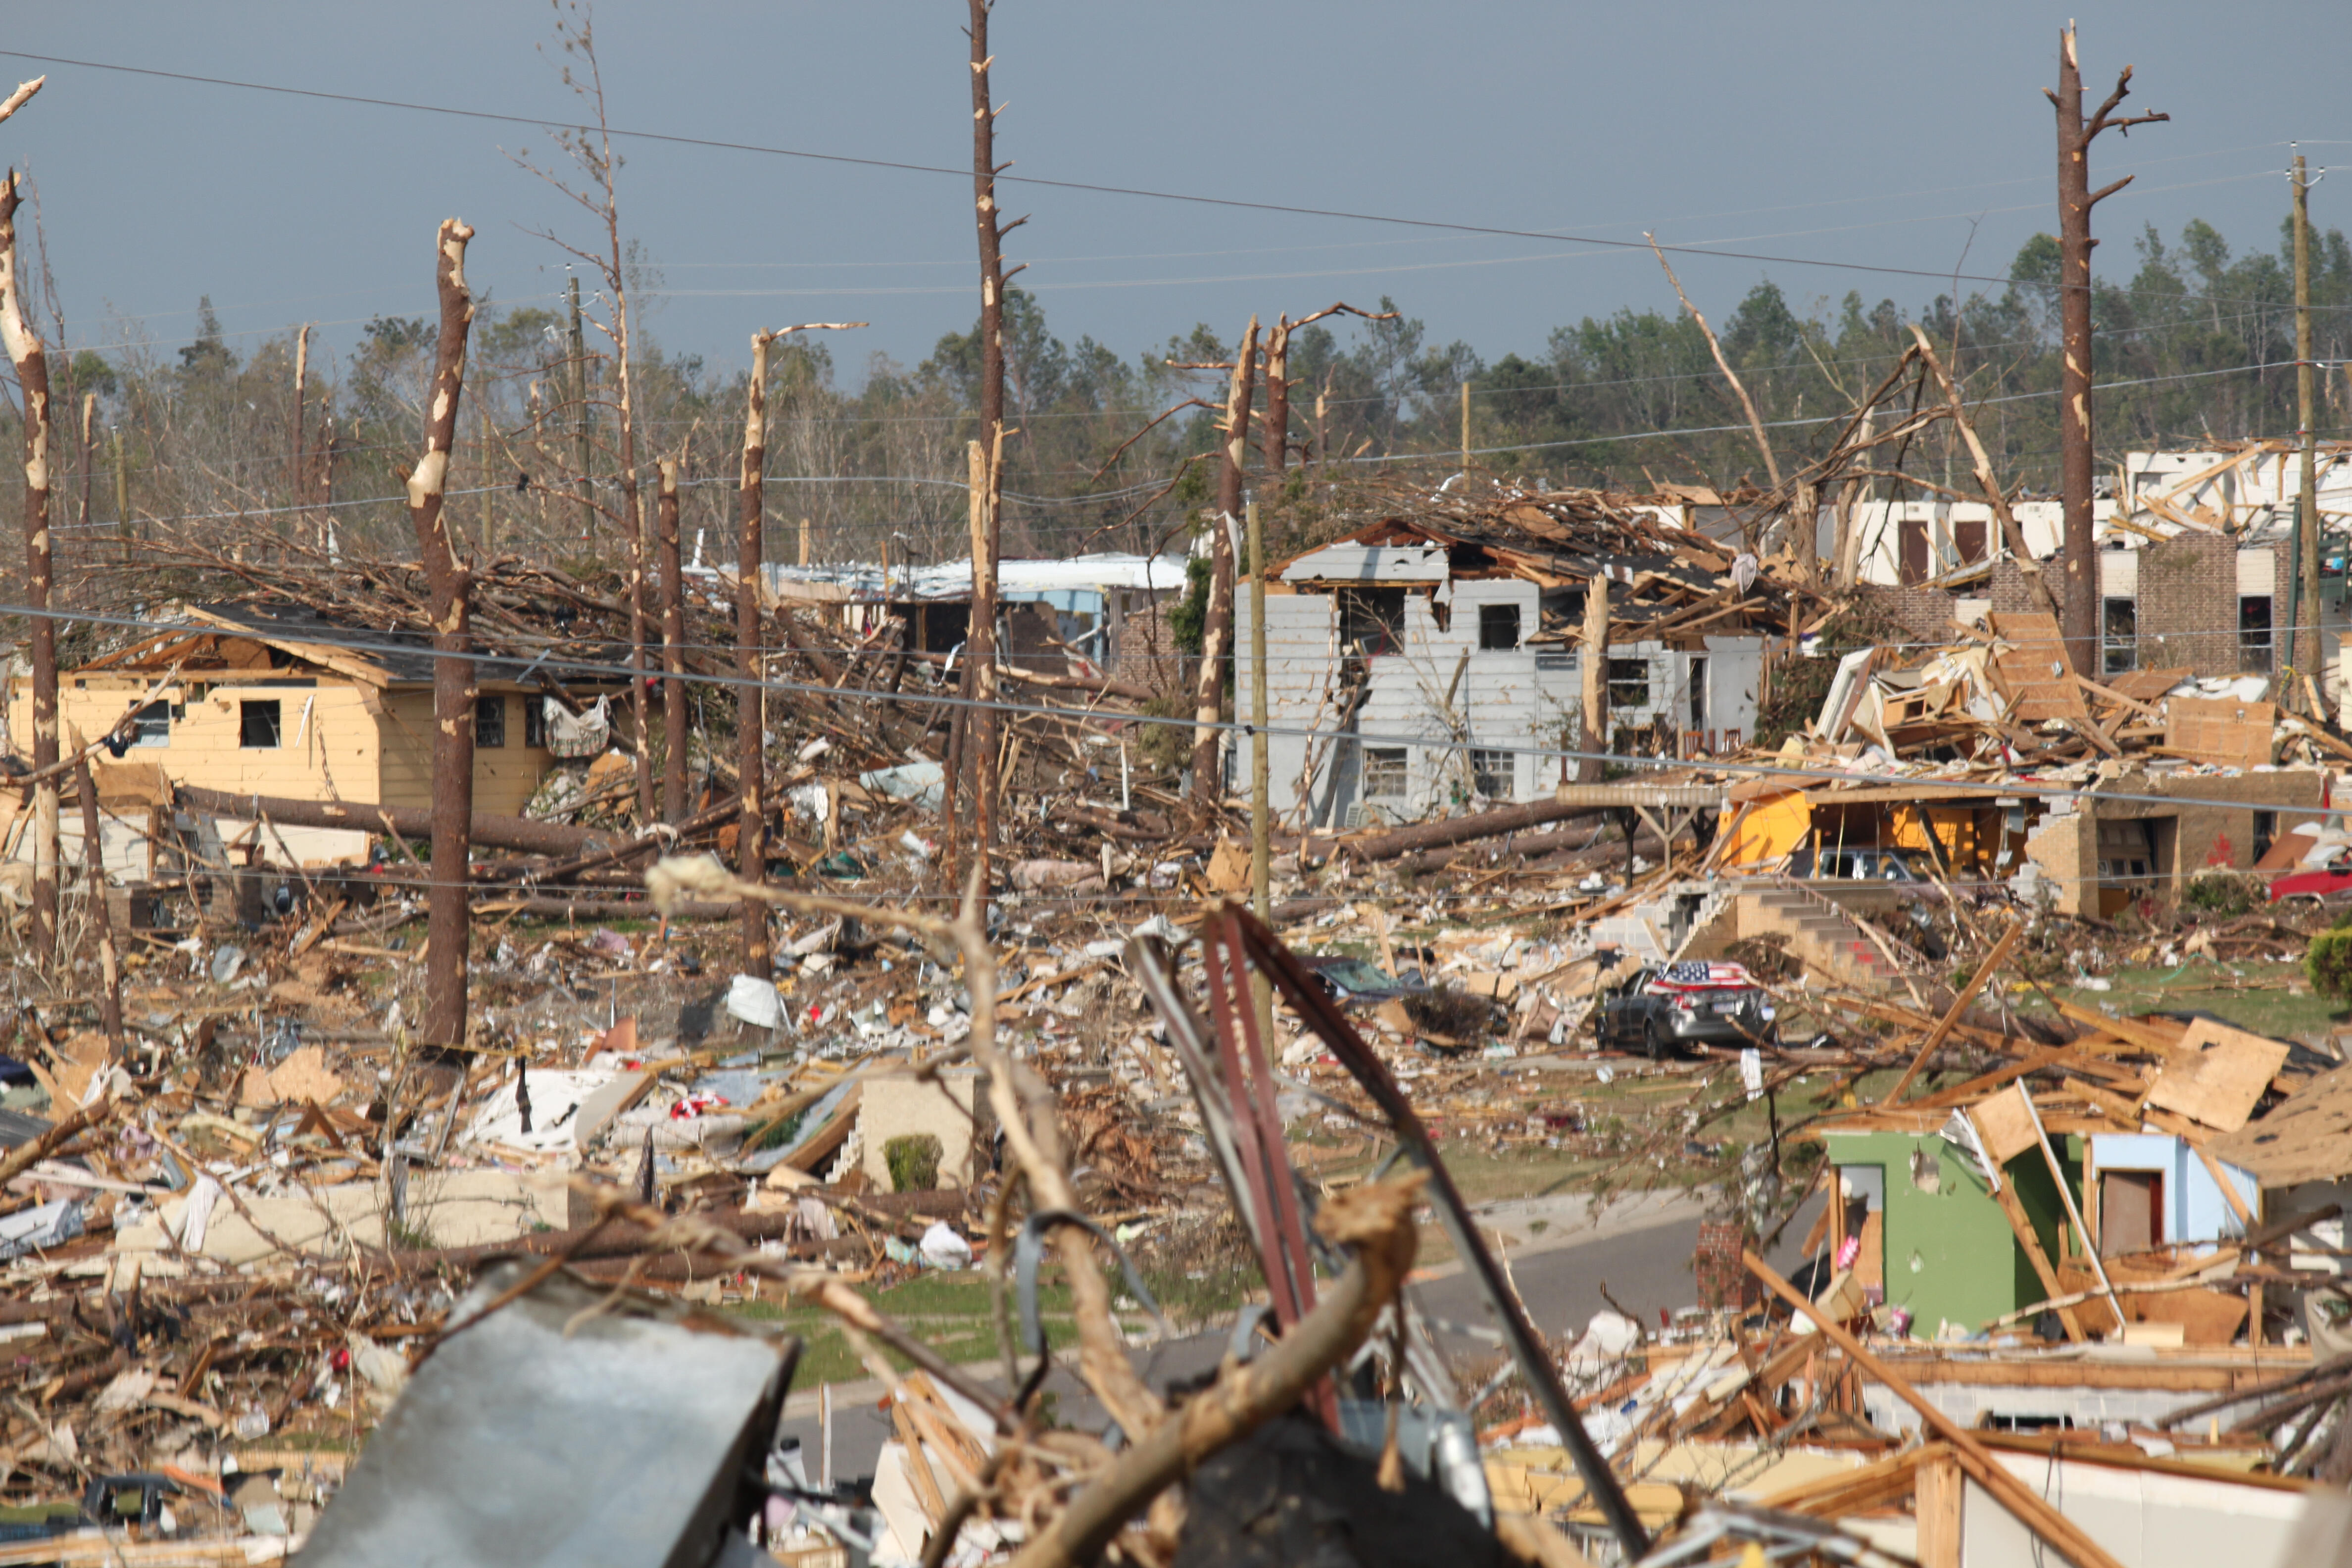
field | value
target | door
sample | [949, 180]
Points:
[2131, 1211]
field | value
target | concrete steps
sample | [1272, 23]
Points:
[1817, 932]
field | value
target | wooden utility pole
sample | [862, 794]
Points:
[1261, 767]
[1465, 428]
[448, 905]
[2307, 647]
[580, 421]
[22, 341]
[985, 455]
[1217, 631]
[2080, 623]
[1595, 723]
[673, 636]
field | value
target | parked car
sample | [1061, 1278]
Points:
[2327, 884]
[1356, 985]
[1862, 865]
[1663, 1008]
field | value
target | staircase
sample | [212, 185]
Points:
[1817, 932]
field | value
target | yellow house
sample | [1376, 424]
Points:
[274, 702]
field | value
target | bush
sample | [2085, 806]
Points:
[2224, 893]
[1449, 1013]
[914, 1162]
[2328, 964]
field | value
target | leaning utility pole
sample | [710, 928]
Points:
[32, 361]
[2308, 525]
[1217, 630]
[2080, 626]
[448, 905]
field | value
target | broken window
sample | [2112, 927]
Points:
[534, 721]
[2253, 631]
[2266, 833]
[490, 723]
[151, 725]
[1372, 620]
[1384, 772]
[2119, 628]
[1498, 627]
[256, 725]
[1629, 683]
[1491, 773]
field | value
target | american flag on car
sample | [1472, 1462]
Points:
[1700, 974]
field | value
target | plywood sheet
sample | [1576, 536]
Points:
[2217, 1075]
[2003, 1123]
[2217, 730]
[2032, 671]
[2308, 1138]
[2146, 684]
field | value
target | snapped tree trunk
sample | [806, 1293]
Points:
[673, 632]
[2079, 622]
[109, 970]
[1596, 680]
[1217, 632]
[980, 728]
[32, 361]
[449, 911]
[1275, 439]
[750, 705]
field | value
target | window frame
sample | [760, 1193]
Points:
[2119, 653]
[1499, 619]
[1621, 682]
[1377, 763]
[2258, 643]
[151, 726]
[490, 722]
[1494, 772]
[250, 709]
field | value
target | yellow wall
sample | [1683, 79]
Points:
[505, 777]
[1770, 829]
[339, 750]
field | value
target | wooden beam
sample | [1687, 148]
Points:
[2021, 1501]
[1937, 1493]
[2052, 1289]
[1993, 960]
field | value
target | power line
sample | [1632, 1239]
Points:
[1232, 203]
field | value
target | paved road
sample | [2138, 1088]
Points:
[1641, 1250]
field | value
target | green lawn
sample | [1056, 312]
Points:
[2265, 999]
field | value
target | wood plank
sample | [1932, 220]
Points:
[2217, 1075]
[2222, 731]
[1993, 960]
[1938, 1491]
[2023, 1228]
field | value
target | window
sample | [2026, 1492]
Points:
[2253, 631]
[1629, 683]
[1491, 773]
[1698, 694]
[151, 725]
[256, 725]
[1372, 620]
[2120, 628]
[534, 721]
[489, 722]
[2265, 834]
[1498, 627]
[1384, 772]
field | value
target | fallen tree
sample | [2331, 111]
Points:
[488, 831]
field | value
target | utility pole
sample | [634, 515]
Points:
[580, 414]
[2079, 626]
[2307, 643]
[1465, 429]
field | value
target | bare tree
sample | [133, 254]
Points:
[673, 636]
[27, 353]
[448, 907]
[2076, 200]
[1217, 631]
[592, 153]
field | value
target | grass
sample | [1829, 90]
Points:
[2262, 997]
[948, 1312]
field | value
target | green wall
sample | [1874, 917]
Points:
[1970, 1269]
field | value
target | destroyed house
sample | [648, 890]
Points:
[1429, 659]
[275, 701]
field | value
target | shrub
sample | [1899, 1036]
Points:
[2328, 964]
[914, 1162]
[1454, 1014]
[2224, 893]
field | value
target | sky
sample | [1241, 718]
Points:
[1908, 137]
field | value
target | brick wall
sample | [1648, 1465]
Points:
[1148, 654]
[2188, 603]
[1927, 613]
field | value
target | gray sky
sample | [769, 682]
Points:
[1875, 135]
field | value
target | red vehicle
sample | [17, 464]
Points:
[2328, 884]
